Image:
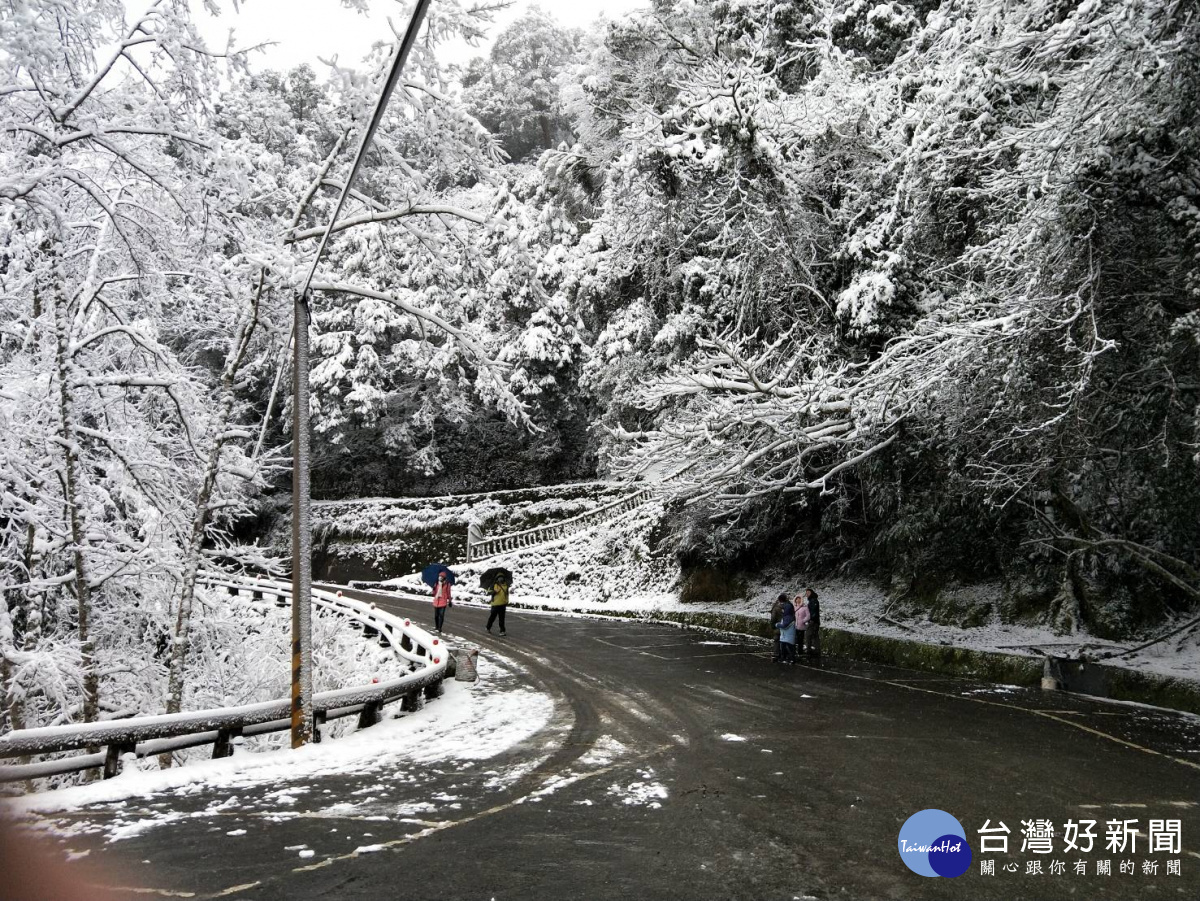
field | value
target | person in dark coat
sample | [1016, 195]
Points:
[776, 613]
[787, 632]
[812, 632]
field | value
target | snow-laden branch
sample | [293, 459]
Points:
[136, 35]
[124, 380]
[98, 133]
[788, 418]
[465, 340]
[415, 209]
[493, 369]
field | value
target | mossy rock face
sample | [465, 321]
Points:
[955, 606]
[994, 667]
[978, 615]
[1026, 602]
[1107, 609]
[1162, 691]
[710, 584]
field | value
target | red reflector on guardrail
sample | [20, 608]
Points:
[408, 622]
[435, 641]
[437, 659]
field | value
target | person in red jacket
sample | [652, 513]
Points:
[441, 600]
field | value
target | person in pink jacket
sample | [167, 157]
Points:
[441, 600]
[803, 617]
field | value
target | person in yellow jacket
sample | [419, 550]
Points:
[499, 605]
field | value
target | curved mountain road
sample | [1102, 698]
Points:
[684, 765]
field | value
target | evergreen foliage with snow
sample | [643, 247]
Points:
[907, 285]
[910, 286]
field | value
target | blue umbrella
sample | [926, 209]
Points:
[429, 574]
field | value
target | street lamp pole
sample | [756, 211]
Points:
[302, 682]
[302, 712]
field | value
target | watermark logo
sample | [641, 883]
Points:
[933, 843]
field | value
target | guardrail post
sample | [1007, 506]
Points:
[112, 760]
[319, 718]
[412, 702]
[474, 537]
[434, 690]
[369, 715]
[1052, 677]
[223, 746]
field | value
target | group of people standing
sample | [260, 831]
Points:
[797, 622]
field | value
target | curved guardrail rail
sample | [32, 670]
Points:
[499, 544]
[146, 736]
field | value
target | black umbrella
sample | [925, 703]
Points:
[494, 575]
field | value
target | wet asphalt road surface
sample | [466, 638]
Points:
[756, 781]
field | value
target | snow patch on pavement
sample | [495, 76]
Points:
[603, 752]
[647, 793]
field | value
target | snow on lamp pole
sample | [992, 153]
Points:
[302, 712]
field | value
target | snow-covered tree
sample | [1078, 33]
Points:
[133, 300]
[514, 92]
[829, 247]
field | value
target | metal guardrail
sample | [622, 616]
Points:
[499, 544]
[147, 736]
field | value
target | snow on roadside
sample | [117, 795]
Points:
[469, 722]
[610, 569]
[860, 606]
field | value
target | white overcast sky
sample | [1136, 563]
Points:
[305, 30]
